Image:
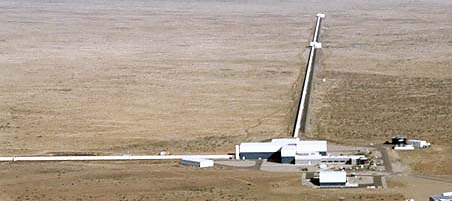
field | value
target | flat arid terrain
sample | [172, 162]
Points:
[94, 77]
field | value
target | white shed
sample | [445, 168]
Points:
[328, 178]
[419, 143]
[197, 162]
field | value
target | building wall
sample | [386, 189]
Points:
[288, 160]
[332, 184]
[440, 198]
[191, 163]
[307, 162]
[262, 155]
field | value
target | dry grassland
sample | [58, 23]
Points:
[125, 76]
[132, 181]
[388, 71]
[96, 77]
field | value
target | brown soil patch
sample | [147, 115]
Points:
[159, 181]
[435, 161]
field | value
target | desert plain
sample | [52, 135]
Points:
[138, 77]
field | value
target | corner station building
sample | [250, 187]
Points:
[284, 150]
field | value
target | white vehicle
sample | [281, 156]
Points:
[419, 143]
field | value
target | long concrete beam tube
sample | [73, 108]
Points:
[320, 16]
[300, 120]
[109, 158]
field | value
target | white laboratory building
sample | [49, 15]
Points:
[284, 150]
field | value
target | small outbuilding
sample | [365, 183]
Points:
[197, 162]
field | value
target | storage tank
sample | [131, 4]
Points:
[399, 140]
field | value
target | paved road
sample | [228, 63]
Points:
[385, 155]
[434, 178]
[258, 164]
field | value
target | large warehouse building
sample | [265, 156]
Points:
[294, 151]
[329, 178]
[285, 150]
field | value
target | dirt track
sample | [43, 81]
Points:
[195, 76]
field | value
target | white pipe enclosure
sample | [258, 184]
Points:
[300, 120]
[109, 158]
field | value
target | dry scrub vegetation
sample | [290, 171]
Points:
[388, 71]
[436, 161]
[375, 107]
[133, 181]
[91, 77]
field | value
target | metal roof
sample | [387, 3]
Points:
[285, 141]
[312, 146]
[289, 150]
[328, 176]
[263, 147]
[302, 146]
